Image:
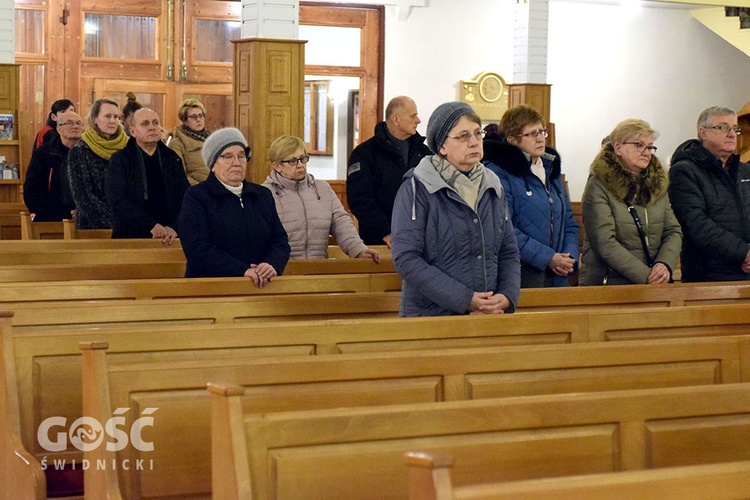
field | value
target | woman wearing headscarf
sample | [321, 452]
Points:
[452, 241]
[632, 235]
[308, 208]
[88, 160]
[542, 216]
[188, 139]
[228, 225]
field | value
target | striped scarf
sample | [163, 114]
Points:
[105, 148]
[198, 136]
[466, 185]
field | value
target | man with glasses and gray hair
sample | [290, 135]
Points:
[46, 190]
[710, 195]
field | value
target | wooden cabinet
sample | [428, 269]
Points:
[536, 95]
[10, 189]
[269, 82]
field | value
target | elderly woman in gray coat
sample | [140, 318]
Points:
[308, 208]
[632, 235]
[452, 238]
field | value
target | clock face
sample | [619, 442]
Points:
[490, 88]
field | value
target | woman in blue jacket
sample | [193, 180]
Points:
[542, 217]
[452, 239]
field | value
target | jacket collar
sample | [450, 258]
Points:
[633, 189]
[280, 182]
[219, 190]
[513, 160]
[434, 182]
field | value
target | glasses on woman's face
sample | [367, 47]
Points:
[293, 162]
[535, 133]
[640, 147]
[196, 116]
[230, 158]
[466, 136]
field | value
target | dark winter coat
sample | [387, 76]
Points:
[46, 190]
[445, 251]
[541, 213]
[713, 206]
[375, 173]
[86, 173]
[127, 191]
[222, 234]
[613, 247]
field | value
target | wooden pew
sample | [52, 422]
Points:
[39, 230]
[430, 479]
[71, 232]
[47, 358]
[65, 272]
[357, 453]
[173, 385]
[90, 257]
[11, 293]
[52, 246]
[10, 224]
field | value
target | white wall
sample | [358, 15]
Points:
[659, 65]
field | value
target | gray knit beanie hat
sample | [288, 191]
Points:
[221, 139]
[442, 121]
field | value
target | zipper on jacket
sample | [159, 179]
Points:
[304, 213]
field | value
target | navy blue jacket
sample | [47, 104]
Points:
[444, 250]
[222, 234]
[541, 213]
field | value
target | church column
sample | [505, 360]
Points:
[269, 75]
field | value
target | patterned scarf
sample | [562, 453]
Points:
[105, 148]
[465, 184]
[198, 136]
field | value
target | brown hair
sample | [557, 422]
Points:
[516, 118]
[182, 112]
[96, 108]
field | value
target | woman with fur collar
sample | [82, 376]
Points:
[543, 221]
[632, 235]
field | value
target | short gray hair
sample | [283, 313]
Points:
[709, 113]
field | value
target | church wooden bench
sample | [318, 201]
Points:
[676, 294]
[39, 230]
[170, 269]
[174, 385]
[10, 224]
[145, 289]
[358, 452]
[146, 256]
[52, 246]
[46, 357]
[430, 479]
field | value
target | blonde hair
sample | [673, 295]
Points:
[627, 129]
[182, 112]
[283, 146]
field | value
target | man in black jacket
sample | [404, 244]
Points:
[145, 183]
[377, 166]
[46, 190]
[709, 188]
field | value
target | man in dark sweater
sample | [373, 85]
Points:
[46, 190]
[377, 166]
[145, 183]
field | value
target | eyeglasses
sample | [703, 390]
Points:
[229, 158]
[68, 124]
[642, 147]
[535, 133]
[724, 128]
[293, 162]
[197, 116]
[466, 136]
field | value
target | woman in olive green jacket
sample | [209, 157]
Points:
[632, 235]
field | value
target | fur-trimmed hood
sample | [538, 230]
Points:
[513, 160]
[633, 189]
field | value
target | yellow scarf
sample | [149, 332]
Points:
[105, 148]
